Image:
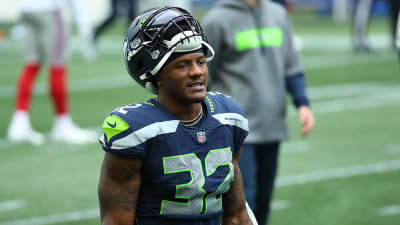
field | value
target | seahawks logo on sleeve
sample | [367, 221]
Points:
[113, 126]
[128, 128]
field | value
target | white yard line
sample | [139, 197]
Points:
[340, 42]
[362, 102]
[389, 210]
[318, 62]
[284, 181]
[295, 147]
[49, 146]
[116, 81]
[393, 149]
[12, 205]
[279, 204]
[337, 173]
[281, 182]
[389, 97]
[112, 81]
[350, 90]
[337, 42]
[56, 218]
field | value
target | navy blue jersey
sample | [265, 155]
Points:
[185, 170]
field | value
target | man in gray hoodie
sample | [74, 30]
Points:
[257, 64]
[397, 41]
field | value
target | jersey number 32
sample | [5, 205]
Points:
[195, 199]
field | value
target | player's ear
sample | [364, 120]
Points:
[158, 81]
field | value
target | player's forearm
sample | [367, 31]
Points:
[241, 218]
[116, 211]
[118, 189]
[234, 203]
[116, 219]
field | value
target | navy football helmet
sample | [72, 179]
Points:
[154, 35]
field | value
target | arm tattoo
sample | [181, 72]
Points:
[119, 187]
[234, 202]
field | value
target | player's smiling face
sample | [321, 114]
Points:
[184, 79]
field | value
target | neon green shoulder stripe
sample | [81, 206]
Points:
[114, 125]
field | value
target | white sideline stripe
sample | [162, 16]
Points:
[279, 204]
[340, 42]
[118, 81]
[393, 149]
[368, 101]
[48, 146]
[94, 213]
[389, 210]
[281, 182]
[41, 88]
[295, 147]
[350, 89]
[353, 103]
[12, 205]
[318, 62]
[337, 173]
[337, 42]
[57, 218]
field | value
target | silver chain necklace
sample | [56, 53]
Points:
[193, 121]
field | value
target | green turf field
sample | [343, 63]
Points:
[346, 172]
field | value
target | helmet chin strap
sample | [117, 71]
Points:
[185, 44]
[208, 59]
[155, 70]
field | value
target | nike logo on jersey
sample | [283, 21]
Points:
[112, 125]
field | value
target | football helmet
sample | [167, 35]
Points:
[154, 35]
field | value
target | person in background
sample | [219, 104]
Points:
[398, 36]
[172, 159]
[257, 64]
[394, 14]
[45, 42]
[361, 17]
[118, 8]
[284, 3]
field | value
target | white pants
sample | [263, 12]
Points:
[361, 17]
[45, 37]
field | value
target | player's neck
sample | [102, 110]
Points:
[184, 112]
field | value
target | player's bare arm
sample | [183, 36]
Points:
[118, 189]
[234, 202]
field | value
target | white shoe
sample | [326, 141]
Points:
[20, 130]
[65, 131]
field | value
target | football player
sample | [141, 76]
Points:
[45, 42]
[360, 22]
[172, 159]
